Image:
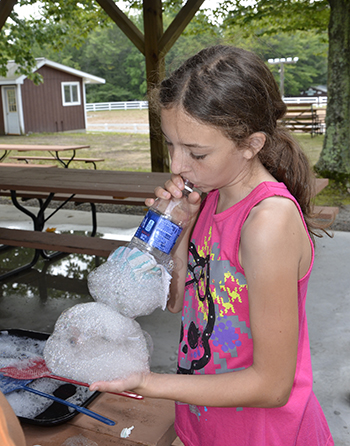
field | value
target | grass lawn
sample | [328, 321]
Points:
[332, 195]
[121, 151]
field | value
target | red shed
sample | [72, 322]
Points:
[56, 105]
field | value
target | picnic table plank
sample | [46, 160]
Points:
[85, 182]
[41, 147]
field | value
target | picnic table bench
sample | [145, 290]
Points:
[52, 241]
[28, 165]
[303, 118]
[26, 158]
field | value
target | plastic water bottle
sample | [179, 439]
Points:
[161, 227]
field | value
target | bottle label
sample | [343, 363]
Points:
[158, 232]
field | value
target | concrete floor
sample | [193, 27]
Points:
[328, 313]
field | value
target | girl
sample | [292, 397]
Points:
[242, 264]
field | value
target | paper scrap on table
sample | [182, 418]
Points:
[125, 433]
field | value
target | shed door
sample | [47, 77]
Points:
[11, 111]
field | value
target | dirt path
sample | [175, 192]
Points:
[118, 116]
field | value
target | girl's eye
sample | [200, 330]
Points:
[198, 157]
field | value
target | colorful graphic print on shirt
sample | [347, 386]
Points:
[215, 333]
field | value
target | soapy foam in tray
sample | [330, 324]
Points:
[30, 408]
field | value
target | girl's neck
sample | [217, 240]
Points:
[232, 194]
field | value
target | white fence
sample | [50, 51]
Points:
[130, 105]
[121, 128]
[143, 105]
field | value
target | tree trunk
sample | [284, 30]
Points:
[334, 161]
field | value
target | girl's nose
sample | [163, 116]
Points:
[177, 161]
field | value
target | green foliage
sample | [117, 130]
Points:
[272, 16]
[62, 22]
[285, 28]
[108, 53]
[310, 47]
[16, 41]
[200, 33]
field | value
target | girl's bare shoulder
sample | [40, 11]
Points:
[275, 223]
[274, 210]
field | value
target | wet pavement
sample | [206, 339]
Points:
[35, 301]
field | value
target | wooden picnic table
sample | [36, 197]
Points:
[53, 150]
[153, 421]
[85, 183]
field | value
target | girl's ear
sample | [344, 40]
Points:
[256, 142]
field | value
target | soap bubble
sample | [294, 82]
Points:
[131, 282]
[92, 342]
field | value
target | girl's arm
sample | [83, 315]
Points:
[275, 252]
[174, 187]
[179, 274]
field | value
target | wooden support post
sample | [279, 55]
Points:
[155, 70]
[6, 7]
[124, 23]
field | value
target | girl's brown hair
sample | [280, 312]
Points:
[234, 91]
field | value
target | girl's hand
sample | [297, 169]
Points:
[135, 383]
[174, 188]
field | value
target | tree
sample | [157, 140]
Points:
[271, 16]
[334, 161]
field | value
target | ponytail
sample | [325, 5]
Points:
[286, 161]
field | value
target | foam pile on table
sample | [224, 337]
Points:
[101, 340]
[92, 342]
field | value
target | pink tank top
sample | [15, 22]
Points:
[216, 338]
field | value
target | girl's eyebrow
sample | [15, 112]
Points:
[189, 145]
[195, 146]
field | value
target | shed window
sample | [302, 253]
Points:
[11, 100]
[71, 93]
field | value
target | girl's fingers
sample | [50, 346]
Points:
[118, 385]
